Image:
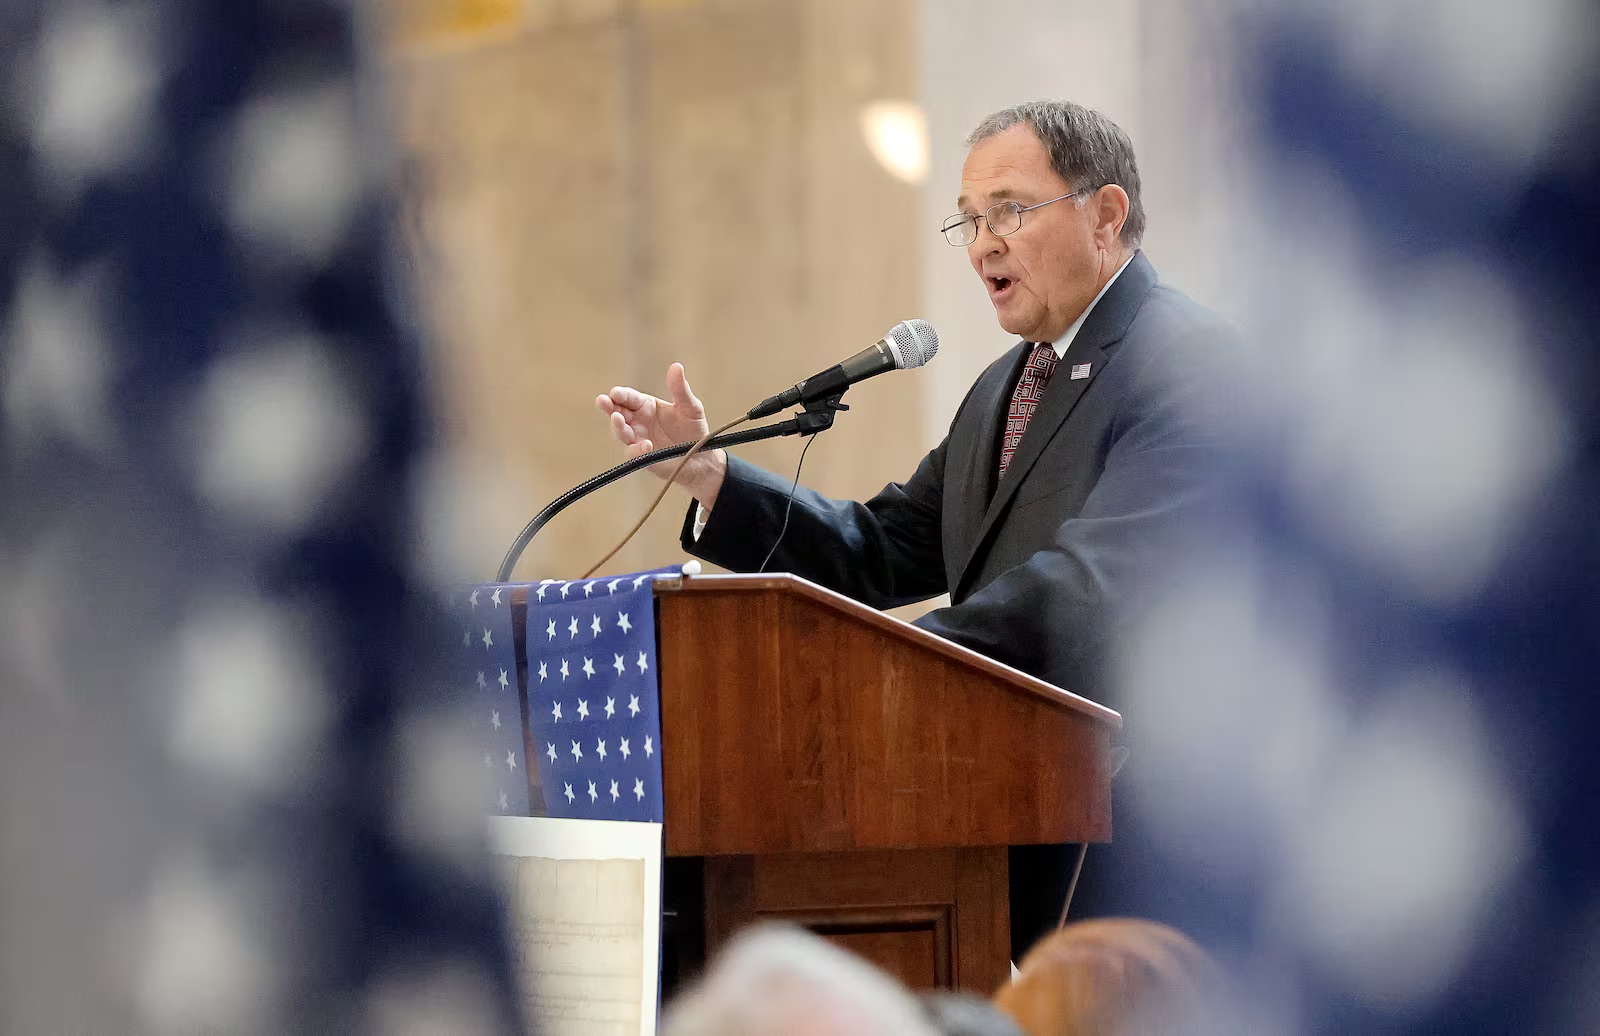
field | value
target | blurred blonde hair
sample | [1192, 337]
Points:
[1113, 977]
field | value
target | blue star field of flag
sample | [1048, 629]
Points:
[483, 652]
[594, 697]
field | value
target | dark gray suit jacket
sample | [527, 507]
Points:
[1043, 567]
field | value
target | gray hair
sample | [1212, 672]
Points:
[774, 980]
[1086, 149]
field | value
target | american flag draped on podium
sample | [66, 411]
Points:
[593, 701]
[485, 668]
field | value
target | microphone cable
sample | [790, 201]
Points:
[788, 506]
[666, 485]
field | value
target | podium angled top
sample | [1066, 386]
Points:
[794, 719]
[853, 610]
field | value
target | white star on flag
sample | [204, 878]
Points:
[623, 748]
[551, 629]
[505, 803]
[638, 790]
[588, 588]
[488, 641]
[466, 638]
[572, 628]
[495, 597]
[623, 623]
[619, 665]
[568, 792]
[494, 718]
[564, 671]
[556, 712]
[551, 750]
[611, 587]
[588, 668]
[472, 598]
[540, 592]
[543, 672]
[595, 626]
[577, 753]
[511, 761]
[600, 749]
[611, 706]
[633, 704]
[592, 794]
[564, 588]
[583, 709]
[642, 664]
[649, 749]
[614, 793]
[483, 684]
[639, 580]
[488, 763]
[504, 683]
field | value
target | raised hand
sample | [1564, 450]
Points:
[642, 422]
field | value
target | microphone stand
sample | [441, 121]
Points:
[816, 417]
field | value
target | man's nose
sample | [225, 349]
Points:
[987, 242]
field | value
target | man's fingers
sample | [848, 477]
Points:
[682, 394]
[627, 398]
[622, 429]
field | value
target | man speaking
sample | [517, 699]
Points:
[1068, 468]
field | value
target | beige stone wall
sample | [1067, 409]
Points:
[609, 186]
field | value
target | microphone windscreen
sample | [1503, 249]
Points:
[913, 343]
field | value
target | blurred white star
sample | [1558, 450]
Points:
[619, 665]
[564, 671]
[93, 91]
[623, 623]
[572, 628]
[494, 718]
[624, 749]
[504, 681]
[472, 598]
[296, 172]
[555, 712]
[614, 793]
[633, 704]
[600, 749]
[577, 752]
[550, 750]
[550, 630]
[495, 597]
[488, 641]
[568, 792]
[511, 760]
[583, 709]
[642, 664]
[649, 747]
[611, 707]
[592, 793]
[588, 668]
[638, 789]
[60, 363]
[543, 672]
[595, 626]
[505, 802]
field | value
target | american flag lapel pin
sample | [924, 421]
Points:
[1080, 371]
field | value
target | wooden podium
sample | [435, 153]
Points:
[843, 770]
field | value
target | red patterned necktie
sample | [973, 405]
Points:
[1025, 399]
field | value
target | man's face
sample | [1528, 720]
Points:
[1043, 275]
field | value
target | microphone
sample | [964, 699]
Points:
[910, 343]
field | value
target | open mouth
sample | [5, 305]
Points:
[999, 286]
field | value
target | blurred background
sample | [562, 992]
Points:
[753, 188]
[240, 426]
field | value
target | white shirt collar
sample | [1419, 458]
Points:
[1064, 343]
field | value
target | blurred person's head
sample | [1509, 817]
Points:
[1113, 977]
[785, 980]
[1042, 274]
[963, 1014]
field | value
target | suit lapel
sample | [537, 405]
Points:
[1102, 330]
[973, 467]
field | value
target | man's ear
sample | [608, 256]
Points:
[1111, 211]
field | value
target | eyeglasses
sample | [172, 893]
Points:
[1004, 218]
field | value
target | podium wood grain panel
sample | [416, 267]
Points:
[797, 720]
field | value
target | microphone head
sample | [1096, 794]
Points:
[912, 342]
